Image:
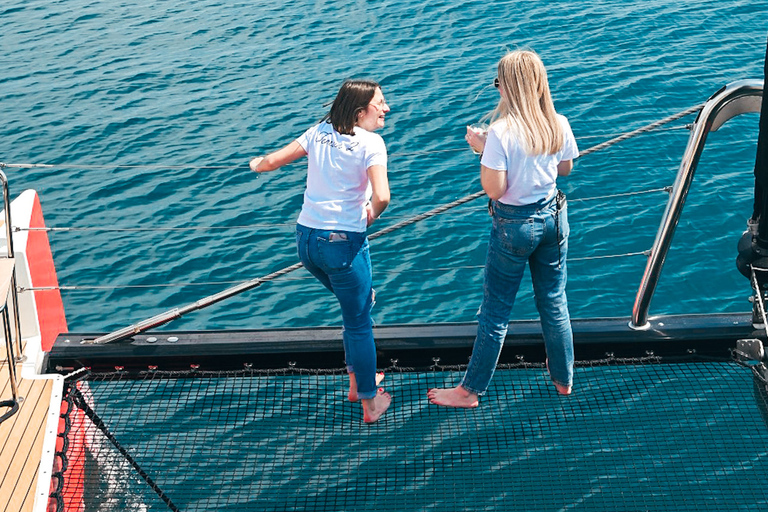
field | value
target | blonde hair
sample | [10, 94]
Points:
[526, 103]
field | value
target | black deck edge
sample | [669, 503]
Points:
[411, 345]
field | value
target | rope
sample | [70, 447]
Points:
[603, 135]
[426, 215]
[172, 314]
[81, 402]
[642, 129]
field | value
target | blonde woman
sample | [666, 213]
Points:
[528, 145]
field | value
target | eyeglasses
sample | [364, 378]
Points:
[379, 104]
[496, 82]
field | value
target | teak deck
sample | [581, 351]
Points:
[21, 440]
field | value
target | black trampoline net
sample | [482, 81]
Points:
[635, 435]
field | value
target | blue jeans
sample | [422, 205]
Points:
[523, 234]
[341, 261]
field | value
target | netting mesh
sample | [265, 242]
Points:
[635, 435]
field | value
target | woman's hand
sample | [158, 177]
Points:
[377, 175]
[255, 163]
[476, 140]
[369, 213]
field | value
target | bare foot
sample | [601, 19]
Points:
[373, 408]
[352, 395]
[563, 390]
[453, 397]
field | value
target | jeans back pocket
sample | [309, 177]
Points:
[515, 236]
[336, 254]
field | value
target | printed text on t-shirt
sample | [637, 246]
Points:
[327, 138]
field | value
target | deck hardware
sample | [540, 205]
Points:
[750, 350]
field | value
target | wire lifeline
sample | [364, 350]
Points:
[598, 147]
[627, 135]
[22, 289]
[183, 284]
[172, 314]
[3, 165]
[17, 229]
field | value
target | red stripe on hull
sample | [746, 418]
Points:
[50, 308]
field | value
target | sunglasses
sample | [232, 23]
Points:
[496, 82]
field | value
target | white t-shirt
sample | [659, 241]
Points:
[530, 178]
[337, 177]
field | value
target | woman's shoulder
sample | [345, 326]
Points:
[505, 127]
[368, 137]
[323, 126]
[499, 127]
[315, 128]
[498, 124]
[563, 120]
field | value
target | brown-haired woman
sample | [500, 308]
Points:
[347, 189]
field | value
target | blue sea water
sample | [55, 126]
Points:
[150, 110]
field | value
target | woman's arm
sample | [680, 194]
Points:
[377, 175]
[494, 182]
[279, 158]
[564, 167]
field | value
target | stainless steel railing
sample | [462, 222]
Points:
[8, 287]
[732, 100]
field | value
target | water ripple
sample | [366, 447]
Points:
[177, 88]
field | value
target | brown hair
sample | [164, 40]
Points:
[353, 97]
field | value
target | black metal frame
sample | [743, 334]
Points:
[412, 345]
